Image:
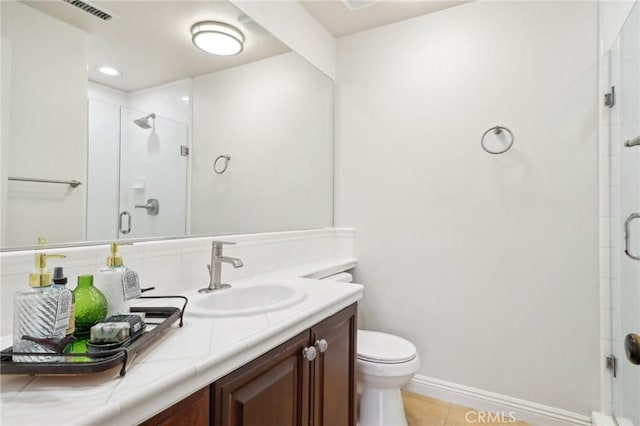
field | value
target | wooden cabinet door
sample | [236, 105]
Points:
[193, 411]
[272, 390]
[334, 375]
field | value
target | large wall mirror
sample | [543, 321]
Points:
[180, 142]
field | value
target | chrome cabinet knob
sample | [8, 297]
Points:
[321, 345]
[309, 353]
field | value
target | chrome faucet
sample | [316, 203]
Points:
[215, 267]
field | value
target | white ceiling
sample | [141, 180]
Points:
[340, 20]
[150, 41]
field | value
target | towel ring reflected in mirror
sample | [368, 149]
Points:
[497, 130]
[221, 167]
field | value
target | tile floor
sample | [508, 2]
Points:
[423, 411]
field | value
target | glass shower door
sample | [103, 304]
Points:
[153, 176]
[625, 148]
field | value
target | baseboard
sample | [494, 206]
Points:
[530, 412]
[601, 419]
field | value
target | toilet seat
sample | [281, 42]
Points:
[383, 348]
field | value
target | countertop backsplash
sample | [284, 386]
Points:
[179, 265]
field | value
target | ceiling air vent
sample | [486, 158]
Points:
[86, 7]
[359, 4]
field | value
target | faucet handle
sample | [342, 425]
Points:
[216, 247]
[221, 243]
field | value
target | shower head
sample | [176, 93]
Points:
[143, 122]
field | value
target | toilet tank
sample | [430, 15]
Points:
[343, 277]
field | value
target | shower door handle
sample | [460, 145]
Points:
[120, 221]
[632, 142]
[632, 348]
[627, 236]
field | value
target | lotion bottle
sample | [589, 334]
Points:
[40, 313]
[118, 283]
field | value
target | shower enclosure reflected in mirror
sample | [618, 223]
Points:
[134, 157]
[155, 131]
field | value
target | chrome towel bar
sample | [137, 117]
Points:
[72, 183]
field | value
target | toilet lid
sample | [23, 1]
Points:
[375, 346]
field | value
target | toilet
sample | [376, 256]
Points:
[384, 364]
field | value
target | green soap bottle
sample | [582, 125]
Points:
[90, 306]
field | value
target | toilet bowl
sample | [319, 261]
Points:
[384, 364]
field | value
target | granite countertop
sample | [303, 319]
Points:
[182, 362]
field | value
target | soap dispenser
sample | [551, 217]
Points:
[40, 313]
[118, 283]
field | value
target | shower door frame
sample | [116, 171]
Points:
[621, 273]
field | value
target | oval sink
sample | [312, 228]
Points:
[247, 300]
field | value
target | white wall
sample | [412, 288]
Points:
[612, 17]
[291, 23]
[103, 161]
[45, 132]
[171, 100]
[275, 119]
[489, 264]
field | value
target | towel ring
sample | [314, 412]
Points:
[226, 158]
[497, 130]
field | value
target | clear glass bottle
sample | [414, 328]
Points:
[41, 313]
[90, 305]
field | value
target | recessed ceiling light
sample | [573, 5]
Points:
[108, 71]
[217, 38]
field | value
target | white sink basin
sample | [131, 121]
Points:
[252, 300]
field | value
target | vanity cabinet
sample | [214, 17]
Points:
[308, 380]
[193, 410]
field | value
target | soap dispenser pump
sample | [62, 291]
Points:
[117, 282]
[41, 312]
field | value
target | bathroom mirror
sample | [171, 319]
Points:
[181, 142]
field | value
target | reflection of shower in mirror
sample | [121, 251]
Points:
[143, 122]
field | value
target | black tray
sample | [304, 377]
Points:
[99, 361]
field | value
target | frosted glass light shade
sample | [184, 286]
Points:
[217, 38]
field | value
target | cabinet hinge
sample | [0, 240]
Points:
[184, 150]
[610, 98]
[612, 365]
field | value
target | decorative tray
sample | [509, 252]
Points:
[157, 319]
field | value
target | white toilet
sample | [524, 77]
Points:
[384, 364]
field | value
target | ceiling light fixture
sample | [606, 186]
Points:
[217, 38]
[108, 71]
